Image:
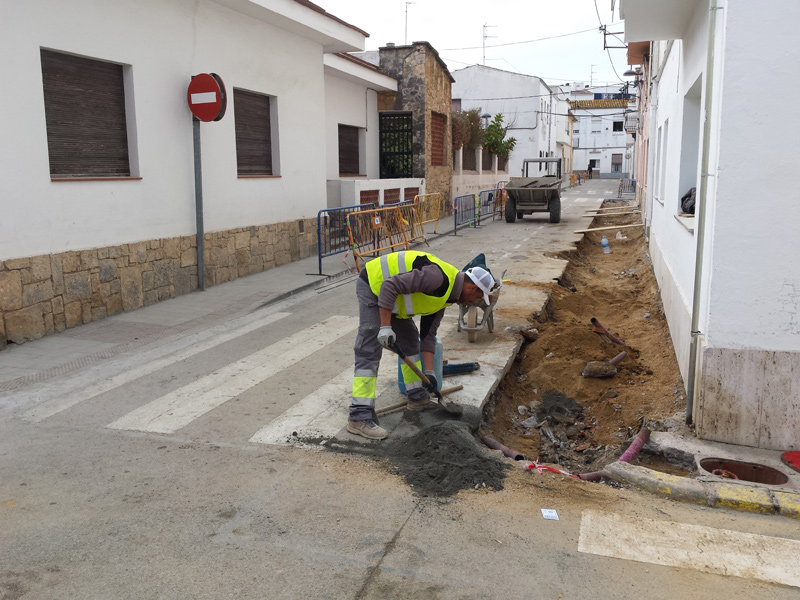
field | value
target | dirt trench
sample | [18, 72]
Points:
[544, 407]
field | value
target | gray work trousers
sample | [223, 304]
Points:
[368, 352]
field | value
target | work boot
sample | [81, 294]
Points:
[420, 405]
[368, 429]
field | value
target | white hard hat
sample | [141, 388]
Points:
[483, 279]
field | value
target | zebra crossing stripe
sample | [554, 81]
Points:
[155, 361]
[177, 409]
[696, 547]
[323, 413]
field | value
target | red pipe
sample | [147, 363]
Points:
[505, 450]
[636, 445]
[618, 358]
[598, 328]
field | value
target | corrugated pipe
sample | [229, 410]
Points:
[636, 445]
[701, 214]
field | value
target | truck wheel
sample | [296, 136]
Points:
[555, 210]
[519, 214]
[472, 321]
[511, 210]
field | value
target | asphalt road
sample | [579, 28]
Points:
[170, 471]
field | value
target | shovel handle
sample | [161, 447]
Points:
[414, 368]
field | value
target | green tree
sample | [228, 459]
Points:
[495, 140]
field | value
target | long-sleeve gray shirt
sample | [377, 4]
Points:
[427, 280]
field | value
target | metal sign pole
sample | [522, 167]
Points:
[198, 203]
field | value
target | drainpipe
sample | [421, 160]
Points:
[701, 215]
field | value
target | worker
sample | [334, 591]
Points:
[391, 289]
[589, 170]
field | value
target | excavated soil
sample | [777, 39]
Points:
[545, 407]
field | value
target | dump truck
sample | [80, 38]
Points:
[538, 190]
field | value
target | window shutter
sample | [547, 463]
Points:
[438, 125]
[253, 133]
[84, 103]
[348, 150]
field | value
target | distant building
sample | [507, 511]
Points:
[535, 114]
[599, 137]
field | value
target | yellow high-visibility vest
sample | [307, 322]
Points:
[381, 268]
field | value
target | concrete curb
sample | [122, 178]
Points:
[710, 493]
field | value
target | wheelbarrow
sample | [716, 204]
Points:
[468, 314]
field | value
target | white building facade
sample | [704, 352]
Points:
[536, 115]
[81, 239]
[599, 137]
[728, 274]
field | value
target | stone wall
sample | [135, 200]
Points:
[424, 85]
[438, 94]
[407, 65]
[42, 295]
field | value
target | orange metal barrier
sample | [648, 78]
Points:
[389, 228]
[429, 208]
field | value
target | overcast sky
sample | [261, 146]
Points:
[455, 29]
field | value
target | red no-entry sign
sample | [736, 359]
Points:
[206, 97]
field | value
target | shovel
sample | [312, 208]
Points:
[451, 407]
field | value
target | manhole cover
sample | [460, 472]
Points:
[744, 471]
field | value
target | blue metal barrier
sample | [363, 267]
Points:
[626, 186]
[469, 209]
[332, 237]
[465, 211]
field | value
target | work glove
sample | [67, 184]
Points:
[386, 337]
[433, 386]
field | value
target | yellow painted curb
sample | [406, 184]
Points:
[789, 503]
[751, 499]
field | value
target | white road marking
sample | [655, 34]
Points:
[179, 408]
[581, 200]
[697, 547]
[64, 401]
[323, 413]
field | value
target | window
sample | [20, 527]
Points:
[618, 125]
[596, 125]
[616, 163]
[348, 150]
[438, 128]
[576, 131]
[253, 133]
[84, 107]
[395, 151]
